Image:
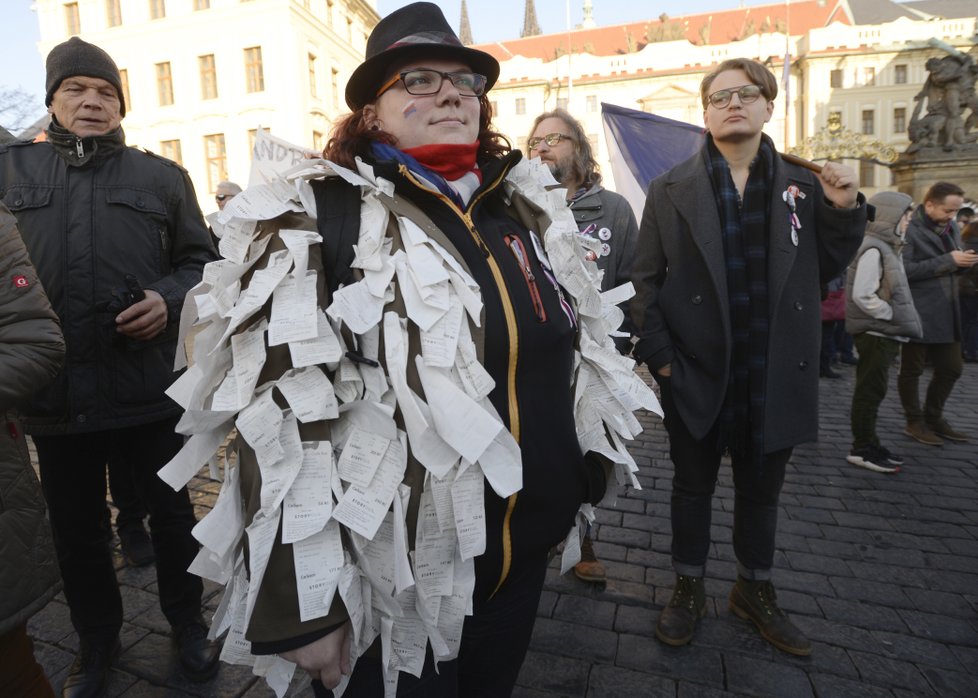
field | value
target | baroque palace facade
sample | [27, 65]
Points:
[860, 62]
[203, 75]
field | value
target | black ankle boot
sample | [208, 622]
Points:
[88, 675]
[678, 620]
[198, 655]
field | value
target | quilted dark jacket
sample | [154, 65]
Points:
[92, 211]
[31, 351]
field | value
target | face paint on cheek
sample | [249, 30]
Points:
[409, 109]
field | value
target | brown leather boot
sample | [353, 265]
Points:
[923, 434]
[589, 569]
[678, 620]
[945, 430]
[757, 602]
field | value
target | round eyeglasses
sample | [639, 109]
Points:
[550, 139]
[425, 81]
[746, 93]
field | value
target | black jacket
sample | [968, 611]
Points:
[92, 211]
[527, 348]
[31, 351]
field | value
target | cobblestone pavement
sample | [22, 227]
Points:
[881, 571]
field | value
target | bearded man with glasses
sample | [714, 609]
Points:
[559, 140]
[733, 245]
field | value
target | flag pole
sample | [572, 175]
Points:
[570, 76]
[787, 68]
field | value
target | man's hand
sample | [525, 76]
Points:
[964, 258]
[665, 371]
[145, 319]
[840, 184]
[326, 659]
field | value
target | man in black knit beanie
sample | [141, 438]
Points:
[118, 240]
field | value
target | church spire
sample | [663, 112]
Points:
[588, 22]
[464, 27]
[530, 25]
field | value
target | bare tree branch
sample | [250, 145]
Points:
[18, 109]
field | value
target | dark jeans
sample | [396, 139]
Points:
[122, 489]
[828, 351]
[695, 467]
[20, 674]
[947, 369]
[73, 479]
[969, 326]
[495, 639]
[872, 377]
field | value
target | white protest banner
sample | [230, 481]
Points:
[272, 156]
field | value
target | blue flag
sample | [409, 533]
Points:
[642, 146]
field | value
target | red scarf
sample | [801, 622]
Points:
[449, 160]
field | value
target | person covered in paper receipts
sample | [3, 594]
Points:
[426, 398]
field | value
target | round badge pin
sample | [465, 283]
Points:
[794, 237]
[604, 233]
[605, 249]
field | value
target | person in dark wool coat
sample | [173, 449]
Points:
[732, 247]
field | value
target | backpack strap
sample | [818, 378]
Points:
[338, 222]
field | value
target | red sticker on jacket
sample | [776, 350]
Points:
[20, 281]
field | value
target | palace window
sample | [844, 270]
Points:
[124, 81]
[171, 151]
[900, 120]
[254, 74]
[869, 122]
[217, 165]
[312, 75]
[72, 19]
[208, 76]
[164, 84]
[867, 174]
[113, 13]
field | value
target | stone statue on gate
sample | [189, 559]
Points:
[938, 118]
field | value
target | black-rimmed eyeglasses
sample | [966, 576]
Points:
[221, 197]
[747, 94]
[550, 139]
[425, 81]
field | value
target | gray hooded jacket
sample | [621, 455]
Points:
[887, 309]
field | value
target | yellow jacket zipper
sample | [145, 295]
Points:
[510, 315]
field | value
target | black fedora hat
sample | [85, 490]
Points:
[418, 28]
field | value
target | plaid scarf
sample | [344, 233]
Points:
[745, 233]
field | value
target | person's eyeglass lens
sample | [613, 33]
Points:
[747, 95]
[551, 139]
[221, 197]
[425, 81]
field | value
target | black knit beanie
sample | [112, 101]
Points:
[77, 57]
